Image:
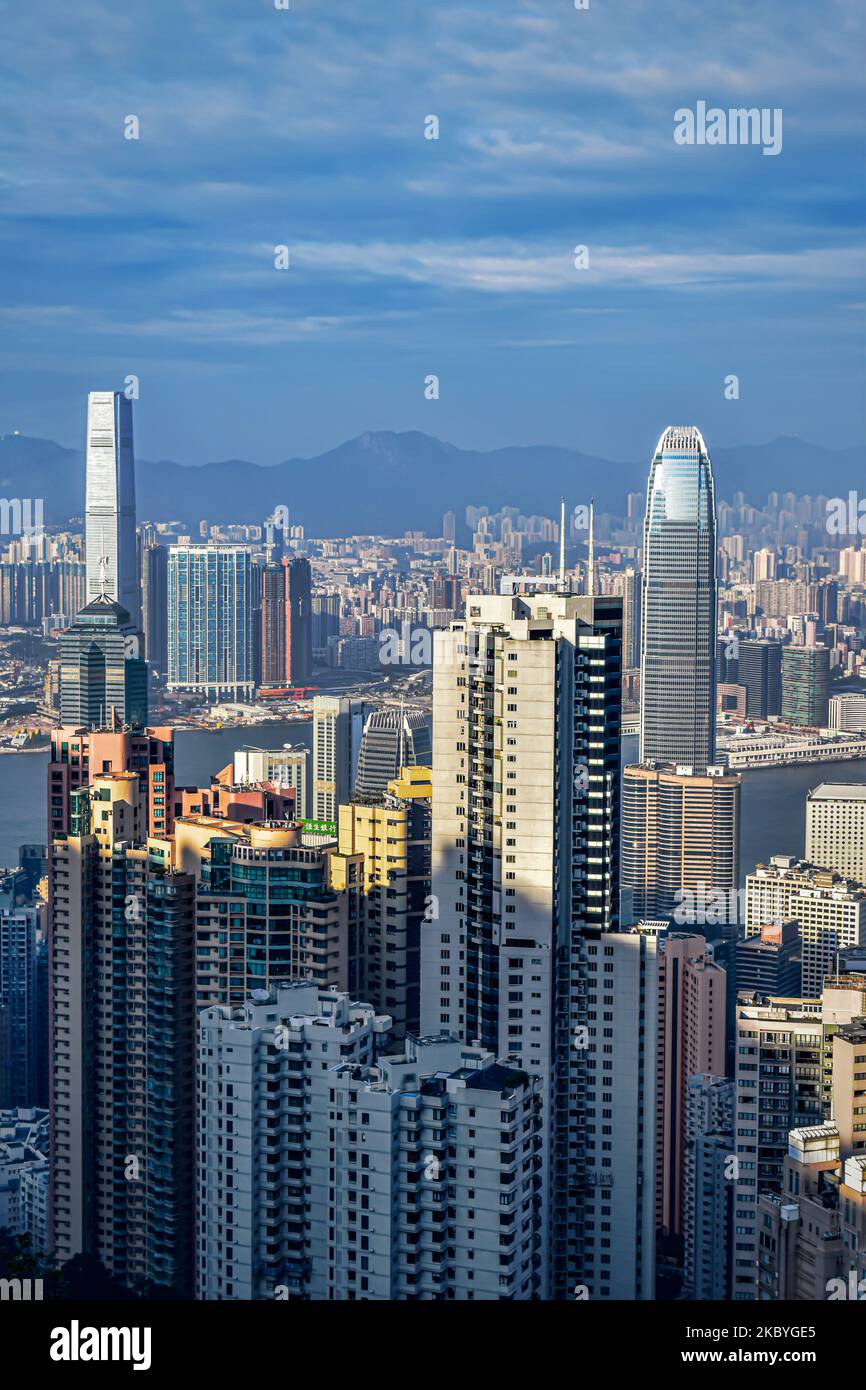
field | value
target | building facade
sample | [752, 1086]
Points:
[678, 625]
[211, 628]
[836, 828]
[109, 528]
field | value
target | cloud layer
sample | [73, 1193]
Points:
[306, 128]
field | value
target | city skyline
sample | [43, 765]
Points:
[433, 850]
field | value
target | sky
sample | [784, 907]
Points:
[412, 257]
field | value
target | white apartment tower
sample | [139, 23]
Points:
[338, 727]
[830, 911]
[330, 1172]
[526, 703]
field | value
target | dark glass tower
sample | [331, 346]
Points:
[103, 675]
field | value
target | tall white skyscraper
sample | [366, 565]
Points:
[678, 628]
[338, 727]
[110, 502]
[522, 942]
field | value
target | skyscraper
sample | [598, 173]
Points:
[384, 853]
[103, 676]
[631, 615]
[806, 685]
[287, 623]
[20, 938]
[526, 705]
[836, 828]
[210, 632]
[273, 637]
[112, 561]
[760, 671]
[338, 725]
[123, 1050]
[330, 1172]
[691, 1040]
[678, 627]
[708, 1192]
[392, 738]
[154, 605]
[299, 621]
[680, 840]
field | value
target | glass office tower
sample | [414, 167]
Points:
[679, 604]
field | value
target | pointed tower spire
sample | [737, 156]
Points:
[590, 576]
[562, 545]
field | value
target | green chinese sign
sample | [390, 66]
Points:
[319, 827]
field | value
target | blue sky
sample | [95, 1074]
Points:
[409, 256]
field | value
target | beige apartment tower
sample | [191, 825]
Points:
[680, 840]
[836, 828]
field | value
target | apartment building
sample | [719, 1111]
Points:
[331, 1171]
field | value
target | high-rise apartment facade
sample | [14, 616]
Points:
[386, 841]
[348, 1174]
[109, 533]
[122, 939]
[21, 937]
[287, 921]
[784, 1079]
[678, 626]
[338, 725]
[813, 1233]
[836, 828]
[526, 702]
[79, 754]
[691, 1040]
[680, 841]
[211, 629]
[708, 1188]
[830, 912]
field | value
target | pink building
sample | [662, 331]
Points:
[691, 1039]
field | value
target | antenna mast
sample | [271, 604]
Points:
[562, 545]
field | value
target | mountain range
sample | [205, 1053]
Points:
[385, 483]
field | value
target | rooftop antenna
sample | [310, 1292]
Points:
[562, 545]
[103, 566]
[590, 578]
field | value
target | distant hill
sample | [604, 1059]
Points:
[385, 482]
